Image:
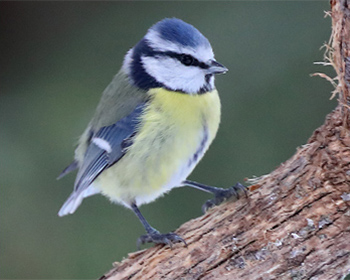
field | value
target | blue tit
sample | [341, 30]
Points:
[153, 124]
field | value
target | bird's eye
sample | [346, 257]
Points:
[187, 59]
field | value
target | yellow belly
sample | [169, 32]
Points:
[175, 131]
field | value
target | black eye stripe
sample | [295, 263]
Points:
[187, 60]
[182, 57]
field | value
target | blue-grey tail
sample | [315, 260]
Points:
[75, 199]
[68, 169]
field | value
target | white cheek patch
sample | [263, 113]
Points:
[173, 74]
[211, 82]
[102, 144]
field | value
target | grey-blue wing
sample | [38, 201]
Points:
[107, 146]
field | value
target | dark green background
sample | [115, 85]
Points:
[56, 59]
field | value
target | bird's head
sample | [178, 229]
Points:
[173, 55]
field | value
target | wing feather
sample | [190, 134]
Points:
[106, 147]
[99, 157]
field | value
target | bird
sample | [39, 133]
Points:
[153, 124]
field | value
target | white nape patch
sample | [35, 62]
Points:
[202, 53]
[173, 74]
[102, 144]
[127, 61]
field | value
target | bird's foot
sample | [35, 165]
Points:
[160, 238]
[221, 195]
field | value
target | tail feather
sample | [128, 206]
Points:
[74, 201]
[68, 169]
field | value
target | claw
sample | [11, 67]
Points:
[159, 238]
[207, 205]
[222, 195]
[240, 188]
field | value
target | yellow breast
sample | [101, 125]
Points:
[175, 131]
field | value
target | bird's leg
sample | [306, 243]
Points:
[153, 235]
[220, 194]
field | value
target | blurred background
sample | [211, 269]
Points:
[57, 58]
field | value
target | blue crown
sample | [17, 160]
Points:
[177, 31]
[172, 30]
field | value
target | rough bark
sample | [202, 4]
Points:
[295, 222]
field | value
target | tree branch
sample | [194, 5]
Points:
[295, 224]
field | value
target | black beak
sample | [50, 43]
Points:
[216, 68]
